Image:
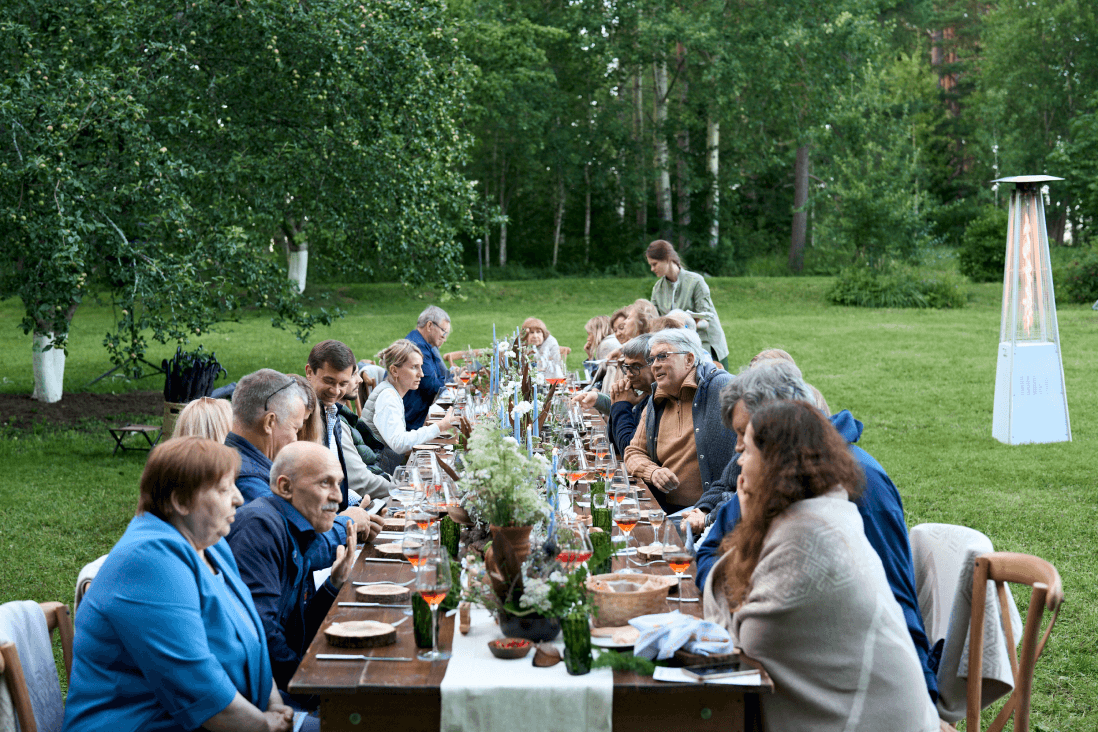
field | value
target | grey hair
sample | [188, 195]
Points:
[680, 339]
[433, 314]
[265, 386]
[688, 320]
[767, 381]
[637, 347]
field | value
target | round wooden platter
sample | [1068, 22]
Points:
[383, 593]
[383, 551]
[393, 524]
[360, 634]
[650, 552]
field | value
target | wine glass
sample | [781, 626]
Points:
[414, 543]
[433, 583]
[656, 517]
[676, 553]
[626, 515]
[572, 465]
[606, 462]
[573, 544]
[554, 372]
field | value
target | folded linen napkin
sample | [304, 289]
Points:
[664, 633]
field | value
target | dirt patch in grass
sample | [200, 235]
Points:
[76, 409]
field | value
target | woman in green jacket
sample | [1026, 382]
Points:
[685, 290]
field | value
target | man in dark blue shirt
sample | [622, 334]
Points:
[432, 330]
[270, 539]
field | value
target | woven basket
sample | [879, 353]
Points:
[617, 604]
[171, 415]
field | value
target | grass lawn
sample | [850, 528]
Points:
[922, 382]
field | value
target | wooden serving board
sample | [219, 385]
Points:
[360, 634]
[383, 551]
[383, 593]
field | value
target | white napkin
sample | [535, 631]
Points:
[664, 633]
[481, 693]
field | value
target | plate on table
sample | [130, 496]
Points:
[614, 638]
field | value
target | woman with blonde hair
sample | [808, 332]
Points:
[802, 590]
[680, 288]
[384, 410]
[205, 417]
[600, 338]
[534, 333]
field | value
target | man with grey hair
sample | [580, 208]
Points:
[272, 538]
[681, 447]
[630, 394]
[432, 330]
[268, 412]
[879, 504]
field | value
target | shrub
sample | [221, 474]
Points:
[983, 246]
[1079, 280]
[715, 262]
[897, 287]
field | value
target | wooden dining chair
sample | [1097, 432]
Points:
[1047, 594]
[565, 351]
[57, 618]
[453, 357]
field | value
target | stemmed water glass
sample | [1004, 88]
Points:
[655, 517]
[677, 553]
[433, 583]
[626, 514]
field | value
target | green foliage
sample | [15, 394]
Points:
[156, 153]
[606, 658]
[983, 247]
[716, 261]
[1078, 280]
[897, 286]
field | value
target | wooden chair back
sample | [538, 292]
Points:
[453, 357]
[1047, 594]
[565, 352]
[57, 618]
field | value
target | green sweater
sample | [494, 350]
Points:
[692, 295]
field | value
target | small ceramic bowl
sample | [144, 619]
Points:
[509, 648]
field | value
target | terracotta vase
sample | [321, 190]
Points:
[503, 560]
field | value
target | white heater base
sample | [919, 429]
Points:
[1030, 401]
[298, 266]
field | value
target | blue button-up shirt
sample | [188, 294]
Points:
[270, 540]
[435, 373]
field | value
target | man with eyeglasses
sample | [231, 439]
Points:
[629, 395]
[681, 445]
[432, 330]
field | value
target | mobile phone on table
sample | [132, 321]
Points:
[721, 670]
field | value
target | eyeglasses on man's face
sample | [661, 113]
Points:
[662, 357]
[633, 369]
[444, 331]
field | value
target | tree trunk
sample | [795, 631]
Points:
[800, 210]
[682, 167]
[713, 167]
[587, 216]
[638, 136]
[296, 248]
[503, 213]
[49, 369]
[663, 173]
[298, 266]
[558, 218]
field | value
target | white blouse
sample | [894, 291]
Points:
[389, 425]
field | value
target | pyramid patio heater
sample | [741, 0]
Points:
[1030, 401]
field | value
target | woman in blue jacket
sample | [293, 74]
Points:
[167, 637]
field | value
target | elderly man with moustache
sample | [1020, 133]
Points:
[270, 540]
[431, 331]
[681, 447]
[331, 372]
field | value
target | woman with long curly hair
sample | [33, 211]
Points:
[802, 591]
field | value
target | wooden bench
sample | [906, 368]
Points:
[147, 430]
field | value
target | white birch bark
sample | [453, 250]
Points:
[49, 369]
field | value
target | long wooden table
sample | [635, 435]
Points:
[404, 695]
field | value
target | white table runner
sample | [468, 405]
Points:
[481, 693]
